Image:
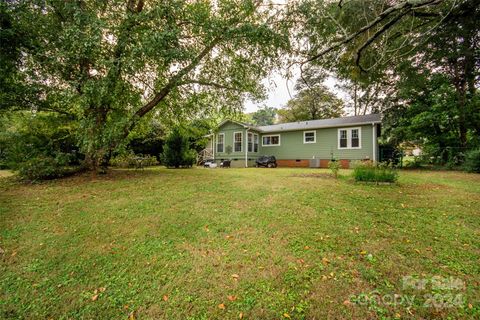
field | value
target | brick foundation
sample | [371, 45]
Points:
[302, 163]
[324, 163]
[293, 163]
[345, 163]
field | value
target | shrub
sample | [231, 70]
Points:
[334, 166]
[131, 160]
[370, 172]
[177, 152]
[414, 163]
[45, 167]
[472, 161]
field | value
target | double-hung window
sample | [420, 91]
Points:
[250, 142]
[309, 136]
[349, 138]
[237, 142]
[221, 142]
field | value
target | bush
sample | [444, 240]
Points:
[334, 166]
[472, 161]
[131, 160]
[369, 172]
[413, 163]
[177, 152]
[45, 167]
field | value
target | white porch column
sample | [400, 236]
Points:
[246, 148]
[214, 145]
[374, 142]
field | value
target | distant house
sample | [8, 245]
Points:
[297, 144]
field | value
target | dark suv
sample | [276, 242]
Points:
[266, 161]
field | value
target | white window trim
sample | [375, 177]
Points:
[241, 141]
[253, 135]
[314, 136]
[349, 138]
[272, 145]
[223, 144]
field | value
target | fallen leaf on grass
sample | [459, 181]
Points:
[232, 298]
[347, 303]
[221, 306]
[235, 276]
[95, 297]
[363, 252]
[165, 298]
[325, 261]
[240, 315]
[286, 315]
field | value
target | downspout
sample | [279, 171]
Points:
[214, 145]
[246, 148]
[374, 142]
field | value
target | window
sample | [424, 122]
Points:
[349, 138]
[220, 142]
[250, 142]
[343, 138]
[355, 139]
[272, 140]
[309, 136]
[237, 142]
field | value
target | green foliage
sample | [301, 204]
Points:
[367, 171]
[38, 146]
[110, 64]
[412, 162]
[472, 161]
[264, 116]
[312, 103]
[334, 166]
[131, 160]
[177, 152]
[45, 167]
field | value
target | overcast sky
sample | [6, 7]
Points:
[279, 91]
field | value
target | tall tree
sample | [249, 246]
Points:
[312, 103]
[108, 64]
[390, 45]
[264, 116]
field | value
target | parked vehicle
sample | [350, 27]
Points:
[266, 161]
[207, 163]
[225, 164]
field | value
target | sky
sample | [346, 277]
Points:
[280, 90]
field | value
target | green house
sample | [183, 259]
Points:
[310, 143]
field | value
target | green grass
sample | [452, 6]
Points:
[283, 242]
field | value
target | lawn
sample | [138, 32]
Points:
[240, 243]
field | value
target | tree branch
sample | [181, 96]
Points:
[377, 34]
[408, 4]
[171, 84]
[207, 83]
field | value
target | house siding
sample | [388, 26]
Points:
[325, 147]
[238, 158]
[292, 151]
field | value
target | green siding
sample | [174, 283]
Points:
[228, 129]
[292, 146]
[326, 145]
